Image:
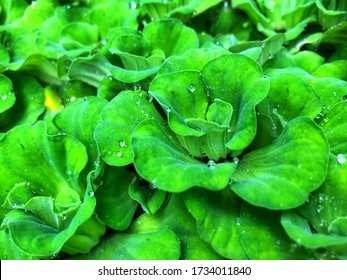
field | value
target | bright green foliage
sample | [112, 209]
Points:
[173, 129]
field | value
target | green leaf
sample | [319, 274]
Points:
[39, 66]
[270, 47]
[216, 129]
[171, 36]
[57, 36]
[282, 174]
[243, 91]
[4, 59]
[331, 91]
[193, 59]
[290, 96]
[274, 16]
[298, 228]
[160, 159]
[132, 76]
[13, 10]
[79, 35]
[263, 238]
[79, 119]
[301, 58]
[119, 119]
[91, 70]
[192, 246]
[182, 100]
[334, 125]
[329, 202]
[331, 13]
[137, 246]
[334, 69]
[36, 13]
[336, 35]
[7, 97]
[128, 40]
[135, 54]
[29, 103]
[102, 14]
[216, 214]
[40, 160]
[8, 251]
[114, 205]
[150, 199]
[42, 240]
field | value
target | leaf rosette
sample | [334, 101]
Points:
[204, 132]
[47, 206]
[271, 17]
[207, 121]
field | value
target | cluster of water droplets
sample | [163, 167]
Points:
[121, 144]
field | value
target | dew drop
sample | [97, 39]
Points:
[68, 172]
[211, 164]
[137, 88]
[236, 160]
[72, 98]
[191, 88]
[119, 154]
[320, 115]
[149, 98]
[132, 5]
[341, 159]
[138, 102]
[334, 93]
[91, 193]
[122, 143]
[168, 110]
[96, 163]
[4, 97]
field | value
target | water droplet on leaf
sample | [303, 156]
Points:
[211, 164]
[122, 143]
[119, 154]
[236, 160]
[341, 159]
[132, 5]
[4, 97]
[191, 88]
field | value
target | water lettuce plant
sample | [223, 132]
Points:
[173, 129]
